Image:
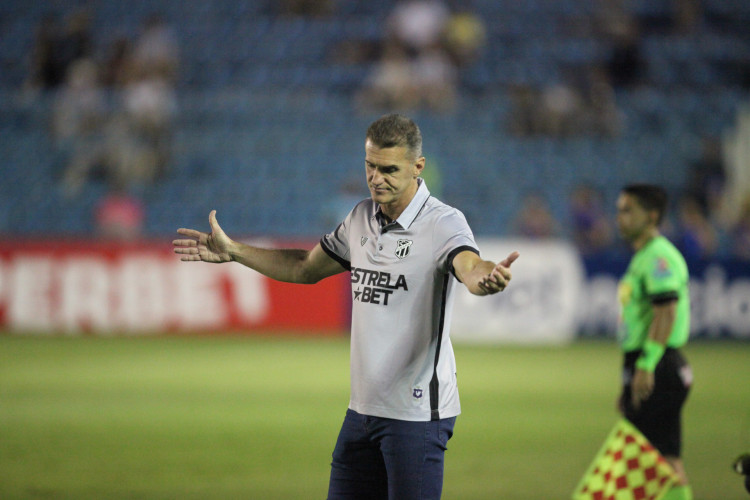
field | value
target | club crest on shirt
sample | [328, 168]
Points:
[402, 248]
[362, 241]
[417, 393]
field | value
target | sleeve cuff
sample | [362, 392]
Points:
[455, 252]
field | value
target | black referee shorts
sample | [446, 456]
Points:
[659, 417]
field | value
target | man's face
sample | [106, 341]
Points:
[632, 219]
[391, 175]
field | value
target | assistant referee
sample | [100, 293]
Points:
[655, 324]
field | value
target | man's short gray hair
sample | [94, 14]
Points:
[396, 130]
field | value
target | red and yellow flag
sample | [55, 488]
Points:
[627, 467]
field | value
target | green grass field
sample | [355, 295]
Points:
[257, 418]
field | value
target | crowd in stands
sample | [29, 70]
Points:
[113, 112]
[115, 109]
[424, 45]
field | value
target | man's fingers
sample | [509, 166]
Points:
[494, 282]
[487, 287]
[185, 243]
[510, 259]
[499, 278]
[192, 233]
[187, 250]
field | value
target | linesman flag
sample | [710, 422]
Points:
[627, 467]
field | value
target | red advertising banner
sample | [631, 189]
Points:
[143, 288]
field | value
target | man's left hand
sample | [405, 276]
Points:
[500, 276]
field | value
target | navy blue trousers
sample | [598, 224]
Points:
[382, 458]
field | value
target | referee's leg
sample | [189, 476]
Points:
[660, 416]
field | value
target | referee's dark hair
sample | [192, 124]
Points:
[650, 197]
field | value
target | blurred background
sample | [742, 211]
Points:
[134, 118]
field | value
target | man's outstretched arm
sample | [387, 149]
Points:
[289, 265]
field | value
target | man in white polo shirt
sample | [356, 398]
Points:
[406, 252]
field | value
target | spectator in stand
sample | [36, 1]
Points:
[142, 131]
[389, 84]
[401, 82]
[118, 64]
[57, 47]
[626, 66]
[44, 72]
[591, 230]
[145, 129]
[559, 111]
[415, 70]
[79, 116]
[133, 142]
[417, 25]
[740, 235]
[616, 25]
[522, 117]
[707, 178]
[534, 219]
[602, 117]
[695, 237]
[555, 111]
[465, 36]
[435, 80]
[156, 54]
[566, 108]
[119, 215]
[736, 164]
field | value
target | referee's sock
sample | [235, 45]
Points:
[684, 492]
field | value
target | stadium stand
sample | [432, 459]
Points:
[266, 130]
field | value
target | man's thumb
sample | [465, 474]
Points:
[510, 259]
[213, 222]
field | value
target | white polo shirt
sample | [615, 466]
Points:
[402, 362]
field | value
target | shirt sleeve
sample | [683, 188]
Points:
[661, 280]
[336, 243]
[451, 236]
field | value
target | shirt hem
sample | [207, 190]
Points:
[410, 416]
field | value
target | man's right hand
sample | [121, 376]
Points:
[207, 247]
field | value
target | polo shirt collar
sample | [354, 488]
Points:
[412, 210]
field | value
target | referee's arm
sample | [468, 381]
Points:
[665, 311]
[483, 277]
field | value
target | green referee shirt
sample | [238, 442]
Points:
[657, 272]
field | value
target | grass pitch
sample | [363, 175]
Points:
[257, 418]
